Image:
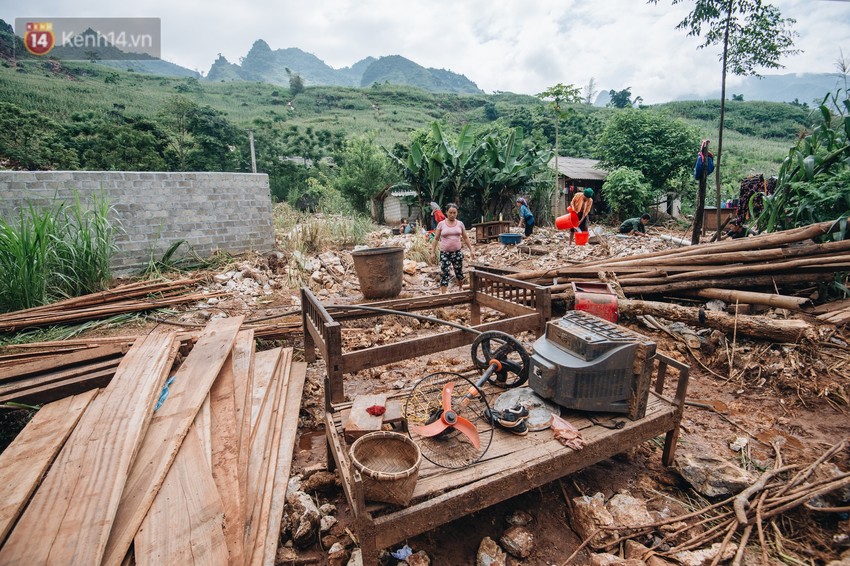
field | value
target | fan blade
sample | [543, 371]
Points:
[469, 430]
[447, 396]
[432, 429]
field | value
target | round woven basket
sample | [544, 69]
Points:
[389, 464]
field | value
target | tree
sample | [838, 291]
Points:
[175, 116]
[751, 35]
[661, 148]
[560, 94]
[590, 91]
[296, 84]
[29, 140]
[627, 192]
[623, 98]
[362, 170]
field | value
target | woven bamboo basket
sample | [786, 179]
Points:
[389, 464]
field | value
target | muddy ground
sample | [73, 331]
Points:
[774, 391]
[797, 392]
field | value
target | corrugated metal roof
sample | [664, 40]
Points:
[579, 169]
[403, 193]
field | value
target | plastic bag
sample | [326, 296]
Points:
[566, 434]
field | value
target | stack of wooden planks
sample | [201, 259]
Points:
[132, 297]
[152, 469]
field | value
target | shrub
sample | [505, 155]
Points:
[627, 192]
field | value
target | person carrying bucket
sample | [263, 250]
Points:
[581, 204]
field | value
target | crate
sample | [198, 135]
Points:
[486, 231]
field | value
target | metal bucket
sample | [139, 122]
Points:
[379, 271]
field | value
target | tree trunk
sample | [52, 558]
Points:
[733, 296]
[777, 330]
[722, 112]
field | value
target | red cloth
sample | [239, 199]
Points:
[376, 410]
[439, 216]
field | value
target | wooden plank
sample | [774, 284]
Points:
[243, 387]
[393, 414]
[359, 421]
[224, 436]
[184, 523]
[48, 393]
[72, 512]
[261, 451]
[265, 366]
[406, 305]
[27, 458]
[168, 427]
[60, 361]
[292, 404]
[507, 307]
[381, 355]
[60, 375]
[202, 428]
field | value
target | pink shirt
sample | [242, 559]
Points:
[450, 236]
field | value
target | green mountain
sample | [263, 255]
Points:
[262, 64]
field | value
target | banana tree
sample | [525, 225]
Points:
[458, 158]
[422, 169]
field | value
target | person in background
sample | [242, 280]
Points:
[737, 229]
[451, 234]
[581, 204]
[526, 219]
[437, 215]
[635, 226]
[402, 226]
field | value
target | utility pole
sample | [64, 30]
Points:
[253, 158]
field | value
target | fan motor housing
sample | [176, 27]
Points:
[586, 363]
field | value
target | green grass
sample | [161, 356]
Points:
[55, 252]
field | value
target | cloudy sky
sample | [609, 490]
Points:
[522, 46]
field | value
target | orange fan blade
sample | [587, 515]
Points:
[432, 429]
[448, 389]
[469, 430]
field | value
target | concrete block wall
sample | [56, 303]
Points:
[211, 211]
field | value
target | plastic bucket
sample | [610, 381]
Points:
[567, 221]
[379, 271]
[581, 238]
[564, 222]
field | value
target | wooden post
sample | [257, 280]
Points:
[474, 307]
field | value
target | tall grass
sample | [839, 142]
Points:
[26, 258]
[55, 252]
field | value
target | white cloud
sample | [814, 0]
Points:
[514, 45]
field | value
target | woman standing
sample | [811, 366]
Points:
[437, 215]
[450, 234]
[525, 217]
[581, 205]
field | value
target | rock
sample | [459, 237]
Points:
[606, 559]
[326, 523]
[628, 512]
[320, 481]
[739, 443]
[519, 519]
[518, 541]
[338, 555]
[409, 267]
[490, 554]
[713, 477]
[356, 558]
[706, 556]
[327, 509]
[589, 514]
[418, 559]
[304, 517]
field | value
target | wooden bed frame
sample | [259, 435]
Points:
[513, 464]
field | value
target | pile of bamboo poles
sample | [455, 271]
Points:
[132, 297]
[783, 261]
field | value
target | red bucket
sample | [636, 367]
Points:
[567, 221]
[581, 238]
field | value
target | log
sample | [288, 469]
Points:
[732, 296]
[777, 330]
[726, 282]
